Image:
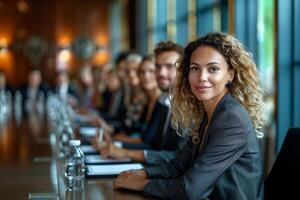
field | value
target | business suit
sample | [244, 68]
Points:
[154, 127]
[114, 108]
[28, 98]
[229, 167]
[169, 145]
[70, 91]
[161, 142]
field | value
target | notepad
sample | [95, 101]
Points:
[88, 131]
[98, 159]
[89, 149]
[110, 170]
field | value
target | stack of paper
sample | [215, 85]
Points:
[89, 149]
[98, 159]
[110, 170]
[88, 131]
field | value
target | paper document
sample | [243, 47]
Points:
[111, 170]
[89, 149]
[88, 131]
[98, 159]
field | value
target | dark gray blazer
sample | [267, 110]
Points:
[229, 167]
[162, 143]
[169, 146]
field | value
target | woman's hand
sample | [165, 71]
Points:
[98, 145]
[132, 179]
[100, 142]
[141, 172]
[120, 136]
[115, 152]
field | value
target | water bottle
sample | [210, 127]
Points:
[65, 135]
[9, 103]
[75, 167]
[4, 107]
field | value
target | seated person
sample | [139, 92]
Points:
[125, 102]
[217, 98]
[115, 85]
[86, 88]
[33, 92]
[65, 91]
[135, 124]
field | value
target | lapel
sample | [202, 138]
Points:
[218, 109]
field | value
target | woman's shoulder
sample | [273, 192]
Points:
[231, 111]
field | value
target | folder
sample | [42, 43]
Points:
[88, 131]
[108, 171]
[98, 159]
[89, 149]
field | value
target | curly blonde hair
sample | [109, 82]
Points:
[188, 112]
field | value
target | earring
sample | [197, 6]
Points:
[228, 84]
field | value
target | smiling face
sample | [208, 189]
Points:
[131, 73]
[147, 75]
[208, 75]
[165, 69]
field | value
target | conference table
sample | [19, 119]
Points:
[30, 171]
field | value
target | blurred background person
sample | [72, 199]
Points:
[4, 87]
[86, 89]
[133, 131]
[128, 107]
[65, 90]
[33, 92]
[113, 93]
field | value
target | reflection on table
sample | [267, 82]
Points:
[29, 169]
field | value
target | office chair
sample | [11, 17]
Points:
[283, 182]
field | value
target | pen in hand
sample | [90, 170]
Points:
[101, 133]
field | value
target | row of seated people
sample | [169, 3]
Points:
[135, 103]
[81, 93]
[139, 116]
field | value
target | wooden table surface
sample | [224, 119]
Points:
[29, 171]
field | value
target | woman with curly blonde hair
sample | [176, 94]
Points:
[217, 102]
[244, 87]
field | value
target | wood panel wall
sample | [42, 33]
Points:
[59, 22]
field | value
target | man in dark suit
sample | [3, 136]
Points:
[33, 92]
[65, 90]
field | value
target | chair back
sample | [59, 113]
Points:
[283, 182]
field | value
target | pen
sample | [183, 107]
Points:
[101, 133]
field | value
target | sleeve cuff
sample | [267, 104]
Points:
[164, 188]
[153, 172]
[145, 154]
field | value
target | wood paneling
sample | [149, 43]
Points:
[59, 22]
